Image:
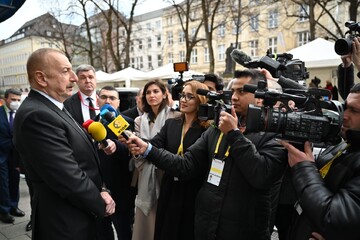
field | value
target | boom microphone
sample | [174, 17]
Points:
[202, 91]
[98, 132]
[240, 57]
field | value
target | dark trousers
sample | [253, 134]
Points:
[9, 186]
[284, 218]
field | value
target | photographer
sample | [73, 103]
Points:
[328, 197]
[234, 201]
[345, 71]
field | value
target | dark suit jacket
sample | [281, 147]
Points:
[131, 113]
[73, 105]
[63, 166]
[6, 145]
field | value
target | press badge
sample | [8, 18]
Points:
[217, 167]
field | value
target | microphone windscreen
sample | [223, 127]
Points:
[97, 131]
[202, 92]
[109, 108]
[108, 116]
[239, 57]
[87, 123]
[250, 88]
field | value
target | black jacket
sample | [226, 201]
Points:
[239, 207]
[331, 205]
[345, 80]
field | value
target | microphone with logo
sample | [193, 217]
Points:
[117, 125]
[96, 130]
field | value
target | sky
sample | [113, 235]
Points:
[34, 8]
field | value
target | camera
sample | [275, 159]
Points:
[343, 46]
[217, 102]
[177, 84]
[315, 120]
[283, 65]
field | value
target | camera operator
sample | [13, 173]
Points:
[328, 195]
[345, 72]
[214, 82]
[234, 201]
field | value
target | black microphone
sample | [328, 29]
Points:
[202, 91]
[240, 57]
[250, 88]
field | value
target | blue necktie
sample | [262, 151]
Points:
[11, 119]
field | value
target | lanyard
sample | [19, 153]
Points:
[82, 101]
[181, 147]
[218, 144]
[325, 169]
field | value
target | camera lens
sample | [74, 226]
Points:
[343, 46]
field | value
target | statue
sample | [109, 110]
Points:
[229, 63]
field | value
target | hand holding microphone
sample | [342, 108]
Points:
[97, 131]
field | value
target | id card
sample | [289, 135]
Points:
[217, 167]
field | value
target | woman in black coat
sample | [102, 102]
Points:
[175, 212]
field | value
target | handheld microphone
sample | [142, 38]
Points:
[117, 125]
[86, 124]
[98, 132]
[239, 57]
[109, 108]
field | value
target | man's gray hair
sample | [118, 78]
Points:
[84, 67]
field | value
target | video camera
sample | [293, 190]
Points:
[217, 102]
[343, 46]
[283, 65]
[177, 84]
[315, 120]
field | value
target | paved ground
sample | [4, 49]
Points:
[16, 231]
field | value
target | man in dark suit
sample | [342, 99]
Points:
[82, 105]
[9, 162]
[136, 110]
[114, 163]
[60, 159]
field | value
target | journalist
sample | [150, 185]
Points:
[328, 197]
[241, 167]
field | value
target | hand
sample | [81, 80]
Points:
[136, 145]
[295, 155]
[356, 52]
[110, 149]
[267, 74]
[110, 204]
[121, 137]
[228, 122]
[316, 236]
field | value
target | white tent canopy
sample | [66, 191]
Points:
[167, 72]
[319, 53]
[127, 75]
[103, 76]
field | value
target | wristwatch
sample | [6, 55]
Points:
[104, 189]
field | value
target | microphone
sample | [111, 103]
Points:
[250, 88]
[117, 125]
[87, 123]
[202, 91]
[98, 132]
[109, 108]
[239, 57]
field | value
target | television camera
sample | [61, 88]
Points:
[343, 46]
[177, 84]
[217, 102]
[314, 120]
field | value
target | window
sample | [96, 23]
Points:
[148, 26]
[193, 32]
[131, 46]
[133, 62]
[158, 25]
[170, 57]
[181, 37]
[221, 52]
[236, 28]
[169, 20]
[303, 12]
[221, 30]
[182, 56]
[303, 38]
[194, 56]
[254, 45]
[206, 55]
[272, 44]
[140, 44]
[149, 42]
[158, 40]
[273, 19]
[140, 62]
[159, 60]
[254, 23]
[170, 38]
[149, 62]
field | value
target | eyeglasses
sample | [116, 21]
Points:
[187, 97]
[104, 97]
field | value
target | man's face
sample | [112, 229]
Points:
[351, 113]
[211, 85]
[59, 77]
[240, 99]
[108, 97]
[87, 82]
[12, 98]
[139, 100]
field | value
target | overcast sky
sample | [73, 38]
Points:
[34, 8]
